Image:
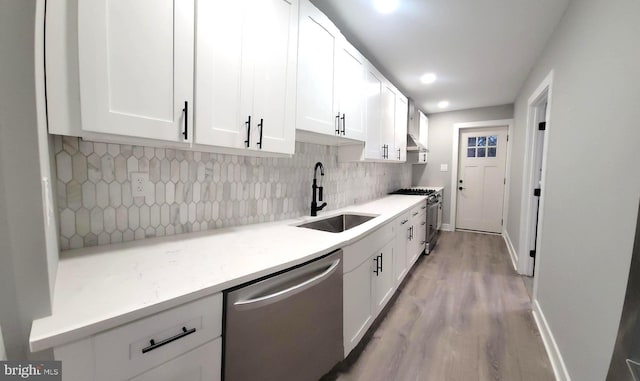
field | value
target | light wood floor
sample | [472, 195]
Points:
[463, 314]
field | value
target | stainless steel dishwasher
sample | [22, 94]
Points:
[287, 326]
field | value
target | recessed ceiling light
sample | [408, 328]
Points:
[385, 6]
[443, 104]
[428, 78]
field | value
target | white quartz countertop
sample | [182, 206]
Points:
[102, 287]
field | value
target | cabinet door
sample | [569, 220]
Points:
[424, 130]
[221, 40]
[387, 122]
[402, 114]
[383, 280]
[350, 71]
[400, 249]
[136, 67]
[273, 29]
[373, 91]
[317, 50]
[202, 363]
[357, 304]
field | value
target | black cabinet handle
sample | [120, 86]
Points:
[404, 222]
[248, 124]
[376, 270]
[398, 153]
[343, 125]
[415, 214]
[260, 125]
[185, 110]
[338, 124]
[154, 345]
[380, 262]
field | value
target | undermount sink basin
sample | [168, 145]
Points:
[337, 224]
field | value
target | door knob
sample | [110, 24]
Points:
[460, 181]
[460, 188]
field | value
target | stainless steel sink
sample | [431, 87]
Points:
[337, 224]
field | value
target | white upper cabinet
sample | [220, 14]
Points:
[350, 70]
[136, 67]
[220, 43]
[373, 91]
[330, 99]
[387, 122]
[246, 74]
[424, 130]
[318, 44]
[402, 114]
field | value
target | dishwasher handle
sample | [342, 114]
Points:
[287, 292]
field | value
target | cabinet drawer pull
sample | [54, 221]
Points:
[247, 143]
[415, 214]
[154, 345]
[343, 125]
[377, 269]
[338, 124]
[260, 125]
[185, 133]
[404, 222]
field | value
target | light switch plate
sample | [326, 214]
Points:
[444, 167]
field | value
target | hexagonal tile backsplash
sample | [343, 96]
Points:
[191, 191]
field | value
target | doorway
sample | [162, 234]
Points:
[533, 182]
[479, 179]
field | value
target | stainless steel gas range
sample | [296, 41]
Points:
[434, 211]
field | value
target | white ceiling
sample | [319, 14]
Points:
[481, 50]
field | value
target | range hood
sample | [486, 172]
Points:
[414, 139]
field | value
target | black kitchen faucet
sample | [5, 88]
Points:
[315, 187]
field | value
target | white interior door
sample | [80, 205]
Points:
[481, 178]
[136, 67]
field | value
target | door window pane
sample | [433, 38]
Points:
[472, 142]
[482, 141]
[493, 141]
[471, 152]
[481, 152]
[491, 152]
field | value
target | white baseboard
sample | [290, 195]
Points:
[512, 251]
[446, 227]
[555, 357]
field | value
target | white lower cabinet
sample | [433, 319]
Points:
[183, 343]
[357, 302]
[203, 363]
[400, 263]
[382, 276]
[374, 267]
[417, 233]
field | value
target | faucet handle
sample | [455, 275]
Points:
[320, 189]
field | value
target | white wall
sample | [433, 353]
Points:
[3, 353]
[27, 262]
[592, 183]
[440, 147]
